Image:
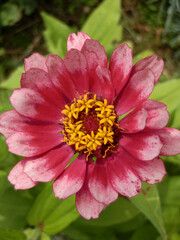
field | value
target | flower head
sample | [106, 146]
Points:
[89, 126]
[70, 106]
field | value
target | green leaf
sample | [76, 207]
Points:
[10, 14]
[3, 181]
[175, 236]
[175, 120]
[32, 234]
[4, 99]
[57, 237]
[53, 48]
[56, 34]
[6, 108]
[170, 195]
[13, 81]
[172, 159]
[171, 218]
[147, 232]
[45, 236]
[72, 159]
[52, 213]
[61, 216]
[131, 224]
[11, 235]
[118, 212]
[169, 191]
[9, 161]
[3, 149]
[102, 24]
[148, 202]
[14, 206]
[76, 233]
[43, 206]
[116, 38]
[86, 231]
[168, 92]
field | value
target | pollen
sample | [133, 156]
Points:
[90, 126]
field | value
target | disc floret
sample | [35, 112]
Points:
[90, 126]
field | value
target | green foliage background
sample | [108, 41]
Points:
[36, 214]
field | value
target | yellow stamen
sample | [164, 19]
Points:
[74, 121]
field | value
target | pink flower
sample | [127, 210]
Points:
[73, 106]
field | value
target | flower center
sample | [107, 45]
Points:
[91, 126]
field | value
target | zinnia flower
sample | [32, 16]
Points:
[73, 106]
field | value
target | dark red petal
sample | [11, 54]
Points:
[76, 65]
[76, 41]
[152, 63]
[120, 65]
[144, 146]
[30, 103]
[36, 60]
[134, 122]
[170, 138]
[102, 85]
[99, 185]
[39, 80]
[152, 171]
[32, 144]
[137, 91]
[123, 178]
[87, 206]
[12, 122]
[158, 115]
[47, 167]
[95, 54]
[60, 76]
[19, 178]
[71, 179]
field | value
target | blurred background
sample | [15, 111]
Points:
[150, 24]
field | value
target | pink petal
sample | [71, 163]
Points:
[120, 65]
[12, 122]
[152, 63]
[29, 103]
[123, 178]
[36, 60]
[87, 206]
[99, 185]
[76, 41]
[95, 54]
[101, 84]
[71, 179]
[134, 122]
[32, 144]
[158, 115]
[39, 80]
[19, 178]
[60, 76]
[150, 171]
[76, 65]
[170, 138]
[50, 165]
[144, 146]
[100, 76]
[137, 91]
